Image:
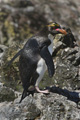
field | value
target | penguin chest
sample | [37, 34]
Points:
[41, 66]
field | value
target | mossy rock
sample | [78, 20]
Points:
[3, 15]
[10, 74]
[14, 34]
[6, 94]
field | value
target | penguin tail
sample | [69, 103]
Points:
[25, 94]
[17, 54]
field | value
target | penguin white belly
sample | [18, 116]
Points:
[41, 68]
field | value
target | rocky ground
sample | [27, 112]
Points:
[40, 107]
[20, 20]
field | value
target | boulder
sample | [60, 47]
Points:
[6, 94]
[40, 107]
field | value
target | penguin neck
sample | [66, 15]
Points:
[50, 47]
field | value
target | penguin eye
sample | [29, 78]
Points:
[52, 28]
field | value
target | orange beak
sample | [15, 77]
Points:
[62, 31]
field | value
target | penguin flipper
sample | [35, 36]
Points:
[48, 60]
[17, 54]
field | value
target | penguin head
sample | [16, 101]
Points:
[53, 25]
[54, 28]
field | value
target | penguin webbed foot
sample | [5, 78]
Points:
[46, 91]
[27, 93]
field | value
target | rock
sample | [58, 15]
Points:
[69, 39]
[66, 58]
[15, 111]
[9, 75]
[58, 44]
[59, 108]
[40, 107]
[77, 59]
[6, 94]
[17, 21]
[1, 84]
[3, 52]
[66, 75]
[21, 19]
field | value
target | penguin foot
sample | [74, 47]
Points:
[41, 91]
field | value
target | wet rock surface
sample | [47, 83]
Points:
[20, 20]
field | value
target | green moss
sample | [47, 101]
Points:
[10, 74]
[25, 31]
[6, 94]
[3, 15]
[14, 35]
[10, 28]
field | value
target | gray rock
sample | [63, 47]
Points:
[77, 59]
[1, 84]
[6, 94]
[40, 107]
[15, 111]
[59, 109]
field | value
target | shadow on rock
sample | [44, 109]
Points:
[73, 96]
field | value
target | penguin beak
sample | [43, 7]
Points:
[62, 31]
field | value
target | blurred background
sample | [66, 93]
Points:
[20, 19]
